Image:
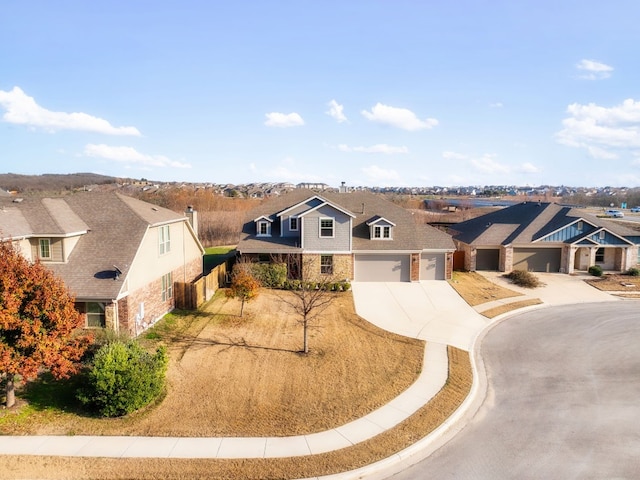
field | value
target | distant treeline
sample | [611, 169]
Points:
[51, 182]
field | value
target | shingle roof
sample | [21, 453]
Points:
[407, 236]
[525, 223]
[115, 225]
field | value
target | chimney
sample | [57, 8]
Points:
[192, 216]
[363, 211]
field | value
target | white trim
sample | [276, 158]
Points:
[294, 217]
[333, 227]
[379, 219]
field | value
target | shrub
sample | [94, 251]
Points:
[595, 270]
[124, 378]
[270, 275]
[633, 272]
[523, 278]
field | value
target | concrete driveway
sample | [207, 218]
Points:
[428, 310]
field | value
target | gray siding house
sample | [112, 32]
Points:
[353, 235]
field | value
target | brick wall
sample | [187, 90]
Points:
[415, 267]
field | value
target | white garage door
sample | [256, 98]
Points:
[432, 266]
[382, 268]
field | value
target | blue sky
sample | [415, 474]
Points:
[377, 93]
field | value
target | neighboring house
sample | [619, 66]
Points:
[117, 255]
[356, 236]
[545, 237]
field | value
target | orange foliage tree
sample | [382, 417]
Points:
[38, 322]
[244, 285]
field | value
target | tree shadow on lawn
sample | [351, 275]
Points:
[47, 393]
[195, 342]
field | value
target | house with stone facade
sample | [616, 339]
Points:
[545, 237]
[118, 256]
[356, 236]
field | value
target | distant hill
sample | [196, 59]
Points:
[51, 182]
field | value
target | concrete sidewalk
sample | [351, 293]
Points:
[431, 311]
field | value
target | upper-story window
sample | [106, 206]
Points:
[580, 225]
[327, 227]
[164, 239]
[382, 231]
[293, 224]
[45, 248]
[264, 228]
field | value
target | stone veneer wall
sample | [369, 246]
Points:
[342, 266]
[415, 267]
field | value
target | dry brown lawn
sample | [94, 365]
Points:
[476, 289]
[243, 376]
[260, 385]
[616, 283]
[494, 312]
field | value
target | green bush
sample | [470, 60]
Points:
[595, 270]
[124, 378]
[633, 272]
[523, 278]
[270, 275]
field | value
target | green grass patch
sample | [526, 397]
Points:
[215, 256]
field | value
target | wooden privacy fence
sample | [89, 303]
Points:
[189, 296]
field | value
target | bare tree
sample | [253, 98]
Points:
[312, 294]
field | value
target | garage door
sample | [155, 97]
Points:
[487, 259]
[382, 268]
[432, 266]
[537, 259]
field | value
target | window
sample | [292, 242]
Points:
[264, 229]
[382, 232]
[45, 248]
[580, 225]
[602, 235]
[326, 227]
[326, 264]
[293, 224]
[94, 313]
[164, 239]
[600, 255]
[167, 287]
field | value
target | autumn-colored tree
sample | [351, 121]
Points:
[38, 322]
[244, 284]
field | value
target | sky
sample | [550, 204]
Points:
[370, 93]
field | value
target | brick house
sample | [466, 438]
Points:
[118, 256]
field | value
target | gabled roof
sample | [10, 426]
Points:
[319, 202]
[362, 207]
[114, 226]
[529, 222]
[263, 217]
[378, 219]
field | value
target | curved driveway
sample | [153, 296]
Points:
[563, 400]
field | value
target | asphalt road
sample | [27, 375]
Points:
[563, 400]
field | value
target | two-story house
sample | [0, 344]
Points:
[118, 256]
[352, 235]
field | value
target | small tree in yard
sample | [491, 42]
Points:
[38, 322]
[312, 296]
[244, 284]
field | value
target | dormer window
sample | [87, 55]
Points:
[263, 229]
[382, 231]
[45, 248]
[380, 228]
[293, 224]
[580, 225]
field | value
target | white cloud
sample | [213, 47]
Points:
[529, 168]
[487, 164]
[603, 132]
[378, 174]
[23, 110]
[454, 156]
[378, 148]
[398, 117]
[496, 105]
[336, 111]
[130, 155]
[594, 70]
[283, 120]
